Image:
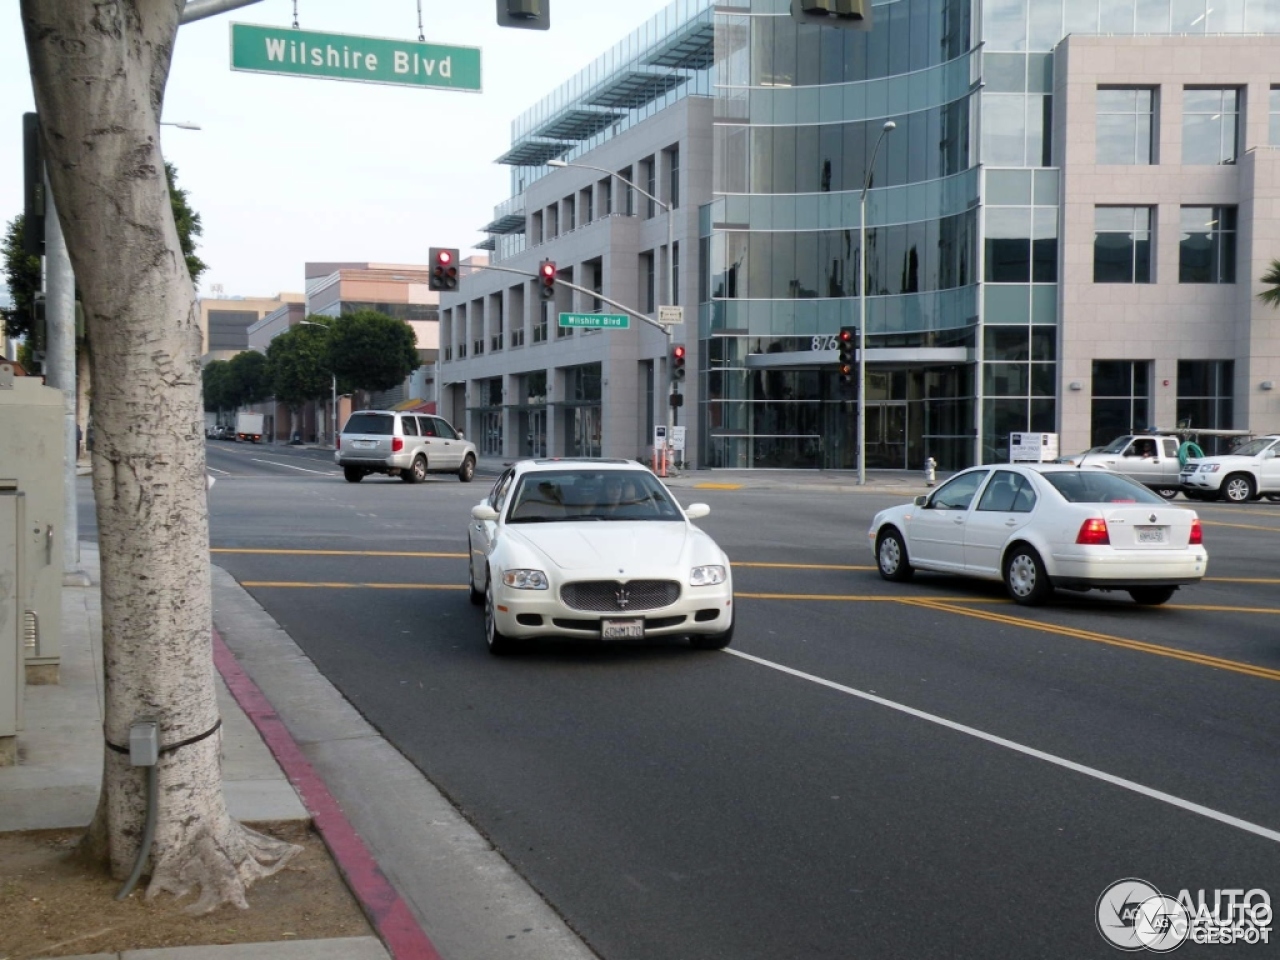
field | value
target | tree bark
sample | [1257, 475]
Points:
[99, 69]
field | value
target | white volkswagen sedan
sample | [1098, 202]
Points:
[1043, 527]
[594, 549]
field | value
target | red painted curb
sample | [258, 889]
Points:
[388, 913]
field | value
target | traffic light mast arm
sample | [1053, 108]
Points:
[573, 286]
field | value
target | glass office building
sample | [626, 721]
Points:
[963, 201]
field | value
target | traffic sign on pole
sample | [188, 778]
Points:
[670, 316]
[338, 56]
[611, 321]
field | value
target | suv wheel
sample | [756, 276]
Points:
[468, 469]
[1238, 488]
[353, 474]
[417, 471]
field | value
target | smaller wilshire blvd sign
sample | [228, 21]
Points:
[337, 56]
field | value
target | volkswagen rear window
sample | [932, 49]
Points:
[1099, 486]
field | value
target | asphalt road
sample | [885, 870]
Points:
[873, 770]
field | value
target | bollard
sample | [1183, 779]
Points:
[930, 471]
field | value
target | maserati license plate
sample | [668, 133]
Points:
[1150, 534]
[622, 629]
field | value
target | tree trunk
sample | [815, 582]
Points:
[99, 70]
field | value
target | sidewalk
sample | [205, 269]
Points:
[450, 895]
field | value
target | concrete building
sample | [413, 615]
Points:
[1068, 207]
[225, 323]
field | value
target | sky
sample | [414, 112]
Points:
[286, 170]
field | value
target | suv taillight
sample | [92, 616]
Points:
[337, 444]
[397, 444]
[1093, 532]
[1197, 535]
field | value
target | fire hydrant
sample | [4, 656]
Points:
[930, 471]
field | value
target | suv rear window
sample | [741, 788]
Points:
[370, 423]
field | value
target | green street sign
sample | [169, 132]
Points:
[339, 56]
[613, 321]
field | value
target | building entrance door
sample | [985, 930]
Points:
[887, 435]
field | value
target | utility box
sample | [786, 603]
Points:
[32, 452]
[12, 540]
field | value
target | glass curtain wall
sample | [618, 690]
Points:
[799, 110]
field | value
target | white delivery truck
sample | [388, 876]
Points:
[249, 427]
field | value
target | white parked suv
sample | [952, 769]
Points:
[1250, 472]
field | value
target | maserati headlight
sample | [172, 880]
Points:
[706, 576]
[525, 579]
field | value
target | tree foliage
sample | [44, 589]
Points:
[22, 274]
[250, 377]
[298, 365]
[1271, 296]
[369, 350]
[188, 223]
[219, 393]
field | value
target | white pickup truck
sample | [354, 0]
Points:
[1251, 471]
[1151, 459]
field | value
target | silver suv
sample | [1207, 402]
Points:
[407, 445]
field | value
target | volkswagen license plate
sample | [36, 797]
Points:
[1150, 534]
[622, 629]
[364, 444]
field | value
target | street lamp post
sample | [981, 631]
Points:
[671, 264]
[333, 387]
[862, 308]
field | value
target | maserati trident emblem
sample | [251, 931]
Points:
[1153, 518]
[624, 597]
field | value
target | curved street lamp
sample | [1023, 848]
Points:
[888, 127]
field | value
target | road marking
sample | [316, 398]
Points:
[276, 463]
[1240, 526]
[717, 486]
[1071, 765]
[800, 566]
[1237, 580]
[353, 586]
[339, 553]
[1172, 652]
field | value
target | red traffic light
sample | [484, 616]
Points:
[444, 258]
[677, 353]
[547, 274]
[444, 269]
[846, 336]
[548, 270]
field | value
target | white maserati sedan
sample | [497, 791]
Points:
[594, 549]
[1045, 526]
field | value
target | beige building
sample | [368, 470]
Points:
[225, 323]
[1170, 215]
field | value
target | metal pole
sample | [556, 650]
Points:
[60, 368]
[334, 438]
[862, 308]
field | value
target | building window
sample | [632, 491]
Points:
[648, 280]
[588, 205]
[605, 187]
[540, 324]
[1207, 251]
[1125, 126]
[1274, 139]
[1205, 394]
[650, 167]
[675, 274]
[673, 173]
[1210, 125]
[1121, 399]
[628, 194]
[1122, 245]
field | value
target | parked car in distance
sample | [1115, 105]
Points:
[594, 549]
[1250, 471]
[1044, 526]
[1151, 459]
[404, 445]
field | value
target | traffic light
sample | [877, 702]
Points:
[444, 269]
[525, 14]
[855, 14]
[547, 277]
[677, 362]
[847, 347]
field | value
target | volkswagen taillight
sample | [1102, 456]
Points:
[1197, 536]
[1093, 532]
[397, 444]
